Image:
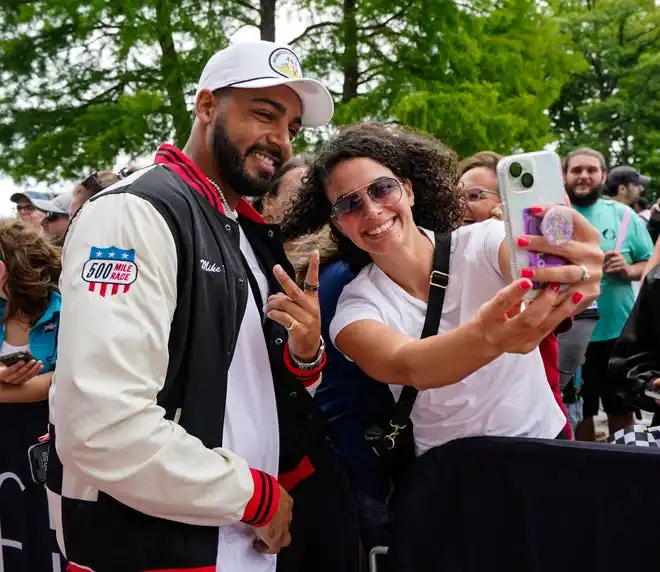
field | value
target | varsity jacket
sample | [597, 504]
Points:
[154, 290]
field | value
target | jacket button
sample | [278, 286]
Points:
[241, 281]
[279, 341]
[293, 394]
[271, 234]
[228, 227]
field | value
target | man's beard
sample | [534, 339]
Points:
[232, 165]
[584, 200]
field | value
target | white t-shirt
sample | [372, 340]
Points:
[254, 437]
[509, 396]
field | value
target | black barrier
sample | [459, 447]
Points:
[27, 542]
[501, 504]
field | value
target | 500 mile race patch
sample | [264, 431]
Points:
[110, 271]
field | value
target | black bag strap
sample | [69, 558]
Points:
[439, 280]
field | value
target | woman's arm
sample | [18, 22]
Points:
[499, 327]
[35, 389]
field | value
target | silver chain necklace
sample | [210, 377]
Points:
[230, 212]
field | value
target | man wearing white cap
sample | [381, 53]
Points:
[182, 414]
[56, 215]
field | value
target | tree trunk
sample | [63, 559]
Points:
[172, 76]
[267, 23]
[350, 59]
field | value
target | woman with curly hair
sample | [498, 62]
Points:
[29, 309]
[386, 192]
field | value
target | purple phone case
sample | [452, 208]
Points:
[538, 259]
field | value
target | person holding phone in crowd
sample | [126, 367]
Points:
[385, 192]
[30, 308]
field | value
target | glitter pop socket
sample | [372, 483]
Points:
[557, 225]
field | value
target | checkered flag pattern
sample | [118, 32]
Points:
[637, 436]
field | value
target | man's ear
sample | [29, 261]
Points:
[205, 105]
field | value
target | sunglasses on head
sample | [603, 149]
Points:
[385, 191]
[92, 183]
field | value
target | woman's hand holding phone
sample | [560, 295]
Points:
[583, 255]
[20, 372]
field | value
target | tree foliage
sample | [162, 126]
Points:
[613, 103]
[86, 80]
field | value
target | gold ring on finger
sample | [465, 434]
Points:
[585, 273]
[292, 325]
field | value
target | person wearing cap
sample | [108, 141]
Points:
[627, 246]
[56, 216]
[27, 212]
[182, 422]
[625, 184]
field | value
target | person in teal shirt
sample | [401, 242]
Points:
[627, 246]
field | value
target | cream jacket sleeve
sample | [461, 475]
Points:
[112, 361]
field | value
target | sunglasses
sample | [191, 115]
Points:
[476, 194]
[52, 217]
[386, 191]
[26, 209]
[92, 183]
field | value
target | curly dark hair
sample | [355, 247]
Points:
[33, 268]
[429, 166]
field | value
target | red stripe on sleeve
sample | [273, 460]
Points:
[261, 508]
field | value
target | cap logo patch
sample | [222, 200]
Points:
[286, 63]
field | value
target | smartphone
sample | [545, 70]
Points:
[524, 181]
[11, 359]
[38, 459]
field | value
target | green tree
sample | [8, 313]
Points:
[612, 104]
[83, 82]
[478, 74]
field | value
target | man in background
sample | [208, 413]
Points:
[25, 208]
[627, 246]
[56, 216]
[625, 184]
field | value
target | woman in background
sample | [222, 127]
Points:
[283, 189]
[30, 308]
[92, 185]
[478, 183]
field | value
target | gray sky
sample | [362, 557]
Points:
[286, 29]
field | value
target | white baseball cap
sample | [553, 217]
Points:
[252, 65]
[61, 204]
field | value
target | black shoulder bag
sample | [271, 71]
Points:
[394, 444]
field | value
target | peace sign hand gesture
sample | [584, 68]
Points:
[298, 310]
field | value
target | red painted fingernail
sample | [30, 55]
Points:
[523, 241]
[555, 287]
[525, 284]
[536, 210]
[527, 273]
[577, 297]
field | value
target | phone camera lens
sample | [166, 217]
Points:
[515, 169]
[527, 180]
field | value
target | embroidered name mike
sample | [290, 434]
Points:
[211, 266]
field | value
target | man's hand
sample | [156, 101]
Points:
[298, 310]
[275, 535]
[615, 263]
